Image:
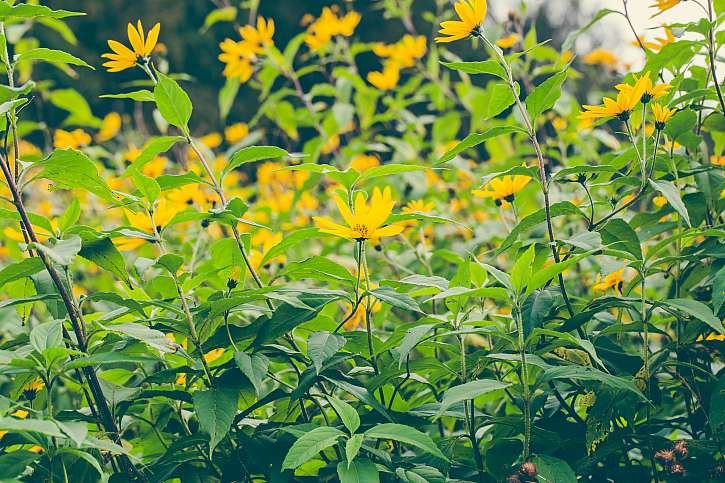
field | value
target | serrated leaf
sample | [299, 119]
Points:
[215, 409]
[309, 444]
[321, 346]
[254, 366]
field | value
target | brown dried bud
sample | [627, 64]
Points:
[513, 479]
[528, 469]
[680, 449]
[677, 469]
[665, 456]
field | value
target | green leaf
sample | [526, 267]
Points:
[475, 139]
[71, 169]
[152, 149]
[396, 299]
[542, 276]
[46, 335]
[253, 153]
[617, 234]
[390, 169]
[309, 444]
[469, 390]
[321, 346]
[224, 14]
[586, 373]
[352, 447]
[48, 428]
[554, 470]
[104, 253]
[72, 101]
[346, 412]
[63, 251]
[521, 272]
[498, 98]
[142, 95]
[561, 208]
[172, 102]
[289, 240]
[227, 94]
[491, 67]
[359, 471]
[411, 339]
[215, 409]
[672, 194]
[24, 10]
[254, 366]
[682, 122]
[545, 95]
[50, 55]
[698, 310]
[407, 435]
[171, 262]
[21, 269]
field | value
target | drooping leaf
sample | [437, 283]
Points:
[215, 409]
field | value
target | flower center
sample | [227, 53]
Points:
[362, 231]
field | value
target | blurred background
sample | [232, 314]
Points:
[194, 52]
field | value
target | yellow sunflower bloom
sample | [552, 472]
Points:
[662, 114]
[471, 14]
[627, 99]
[613, 280]
[365, 221]
[503, 189]
[122, 57]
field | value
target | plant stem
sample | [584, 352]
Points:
[524, 382]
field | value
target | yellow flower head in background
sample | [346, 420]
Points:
[404, 52]
[504, 188]
[366, 220]
[266, 240]
[363, 162]
[70, 139]
[660, 42]
[238, 55]
[387, 79]
[662, 114]
[329, 24]
[663, 5]
[627, 99]
[601, 57]
[717, 160]
[471, 14]
[124, 58]
[236, 132]
[614, 280]
[213, 355]
[508, 41]
[109, 127]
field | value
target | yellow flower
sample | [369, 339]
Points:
[236, 132]
[387, 79]
[663, 6]
[366, 221]
[321, 31]
[613, 280]
[109, 127]
[713, 336]
[601, 57]
[627, 99]
[504, 188]
[659, 201]
[31, 389]
[267, 240]
[651, 91]
[420, 206]
[213, 355]
[35, 449]
[363, 162]
[236, 56]
[70, 139]
[260, 37]
[20, 413]
[404, 52]
[662, 114]
[357, 321]
[660, 42]
[211, 140]
[508, 41]
[181, 379]
[471, 14]
[717, 160]
[122, 57]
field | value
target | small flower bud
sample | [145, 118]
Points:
[665, 456]
[680, 449]
[231, 284]
[677, 469]
[529, 469]
[513, 479]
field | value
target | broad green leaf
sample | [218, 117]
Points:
[491, 67]
[215, 409]
[73, 101]
[24, 10]
[352, 446]
[389, 169]
[42, 426]
[223, 14]
[617, 234]
[63, 251]
[521, 272]
[227, 94]
[553, 469]
[21, 269]
[348, 415]
[309, 444]
[396, 299]
[254, 366]
[321, 346]
[407, 435]
[46, 335]
[698, 310]
[142, 95]
[412, 337]
[469, 390]
[172, 102]
[71, 169]
[561, 208]
[545, 95]
[672, 194]
[50, 55]
[359, 471]
[253, 153]
[102, 252]
[473, 140]
[152, 149]
[170, 262]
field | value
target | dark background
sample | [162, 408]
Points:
[195, 53]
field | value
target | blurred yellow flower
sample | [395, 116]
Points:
[366, 220]
[471, 14]
[238, 55]
[357, 321]
[109, 127]
[659, 201]
[613, 280]
[266, 240]
[363, 162]
[387, 79]
[236, 132]
[508, 41]
[20, 413]
[717, 160]
[601, 57]
[662, 114]
[660, 42]
[663, 6]
[329, 24]
[404, 52]
[213, 355]
[70, 139]
[124, 58]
